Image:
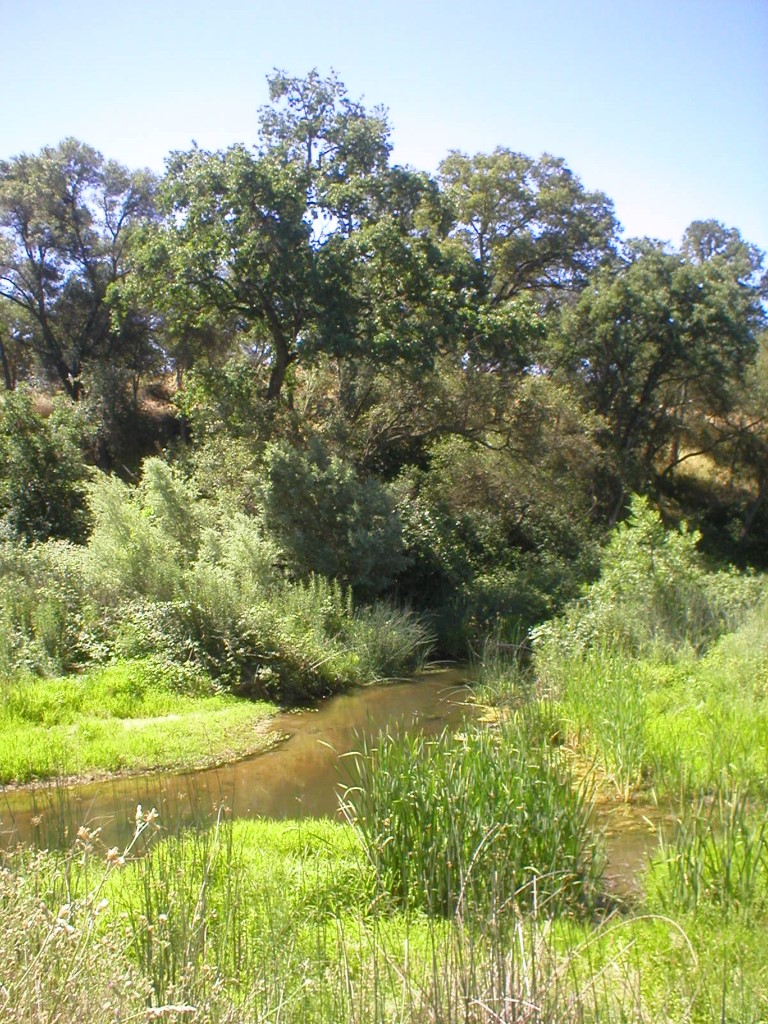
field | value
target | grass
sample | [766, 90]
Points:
[717, 858]
[459, 824]
[286, 923]
[684, 722]
[131, 716]
[466, 887]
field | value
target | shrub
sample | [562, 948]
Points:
[42, 471]
[329, 521]
[143, 536]
[654, 594]
[48, 621]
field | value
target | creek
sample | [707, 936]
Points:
[301, 775]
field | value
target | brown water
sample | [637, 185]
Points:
[631, 833]
[301, 776]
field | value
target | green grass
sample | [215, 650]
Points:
[286, 923]
[487, 818]
[131, 716]
[458, 893]
[717, 858]
[685, 723]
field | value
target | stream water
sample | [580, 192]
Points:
[302, 775]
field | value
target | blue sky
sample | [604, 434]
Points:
[662, 105]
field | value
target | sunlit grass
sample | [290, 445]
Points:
[126, 717]
[689, 721]
[265, 922]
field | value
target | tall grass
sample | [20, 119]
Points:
[285, 923]
[485, 819]
[699, 722]
[660, 670]
[717, 856]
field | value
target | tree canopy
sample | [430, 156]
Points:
[473, 361]
[66, 217]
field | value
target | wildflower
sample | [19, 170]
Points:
[115, 858]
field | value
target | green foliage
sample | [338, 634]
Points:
[143, 537]
[67, 215]
[477, 823]
[48, 620]
[718, 856]
[386, 641]
[660, 343]
[655, 594]
[265, 921]
[225, 398]
[496, 543]
[135, 689]
[168, 574]
[328, 520]
[530, 223]
[42, 471]
[269, 887]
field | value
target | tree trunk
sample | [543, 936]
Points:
[751, 516]
[284, 356]
[7, 375]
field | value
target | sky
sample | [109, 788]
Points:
[661, 104]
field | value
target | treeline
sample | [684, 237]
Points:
[439, 389]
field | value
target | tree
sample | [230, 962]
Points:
[660, 343]
[328, 520]
[312, 243]
[234, 242]
[15, 333]
[66, 216]
[42, 471]
[530, 225]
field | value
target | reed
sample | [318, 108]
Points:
[484, 819]
[286, 923]
[717, 856]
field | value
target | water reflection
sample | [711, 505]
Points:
[298, 778]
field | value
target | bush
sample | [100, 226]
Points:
[42, 471]
[329, 521]
[48, 621]
[144, 536]
[497, 554]
[655, 594]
